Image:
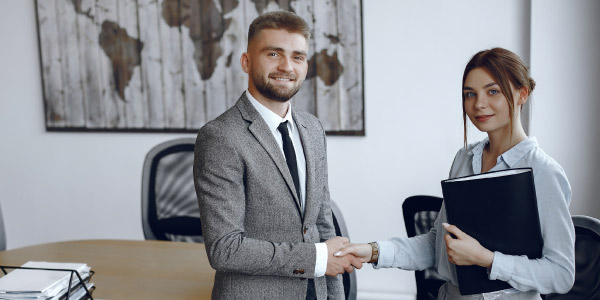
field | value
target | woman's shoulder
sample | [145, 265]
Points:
[547, 169]
[538, 159]
[549, 175]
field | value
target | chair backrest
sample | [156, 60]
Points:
[170, 208]
[420, 213]
[587, 261]
[341, 230]
[2, 233]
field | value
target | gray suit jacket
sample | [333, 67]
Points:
[256, 237]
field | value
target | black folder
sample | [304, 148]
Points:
[499, 210]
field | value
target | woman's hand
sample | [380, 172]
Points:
[361, 251]
[465, 250]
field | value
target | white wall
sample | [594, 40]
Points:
[565, 55]
[63, 186]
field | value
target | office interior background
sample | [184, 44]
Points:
[57, 186]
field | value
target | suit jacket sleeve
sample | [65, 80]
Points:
[219, 175]
[335, 286]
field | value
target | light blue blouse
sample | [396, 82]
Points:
[554, 272]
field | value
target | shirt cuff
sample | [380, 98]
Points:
[321, 263]
[386, 255]
[502, 267]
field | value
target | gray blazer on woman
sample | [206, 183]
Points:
[257, 239]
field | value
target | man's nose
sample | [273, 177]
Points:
[285, 64]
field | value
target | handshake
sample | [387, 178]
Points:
[344, 256]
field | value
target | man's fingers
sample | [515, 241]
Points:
[356, 262]
[349, 269]
[344, 240]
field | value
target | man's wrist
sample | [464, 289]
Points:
[374, 252]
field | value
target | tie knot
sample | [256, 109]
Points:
[283, 128]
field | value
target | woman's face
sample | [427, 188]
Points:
[485, 105]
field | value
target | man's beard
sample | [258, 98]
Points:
[276, 93]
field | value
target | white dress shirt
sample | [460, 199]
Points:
[552, 273]
[273, 120]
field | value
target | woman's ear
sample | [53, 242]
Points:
[523, 95]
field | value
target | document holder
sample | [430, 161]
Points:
[88, 292]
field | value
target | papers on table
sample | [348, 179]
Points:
[28, 284]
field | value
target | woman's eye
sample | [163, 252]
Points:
[469, 95]
[494, 92]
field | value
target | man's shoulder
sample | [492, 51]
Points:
[228, 120]
[307, 119]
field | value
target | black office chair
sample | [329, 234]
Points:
[170, 209]
[341, 230]
[420, 213]
[587, 261]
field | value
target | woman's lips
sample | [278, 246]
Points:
[483, 118]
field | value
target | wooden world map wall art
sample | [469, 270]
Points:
[173, 65]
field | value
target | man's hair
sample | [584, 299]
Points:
[278, 20]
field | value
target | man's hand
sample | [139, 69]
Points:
[338, 264]
[465, 250]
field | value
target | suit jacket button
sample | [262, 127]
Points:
[305, 229]
[299, 271]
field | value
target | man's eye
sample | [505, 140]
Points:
[299, 57]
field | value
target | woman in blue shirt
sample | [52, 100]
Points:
[496, 84]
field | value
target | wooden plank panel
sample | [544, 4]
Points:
[136, 110]
[195, 100]
[188, 71]
[350, 55]
[305, 98]
[209, 55]
[327, 92]
[151, 62]
[234, 44]
[250, 11]
[110, 39]
[69, 58]
[51, 67]
[172, 66]
[89, 67]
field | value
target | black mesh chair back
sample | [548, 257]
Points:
[420, 213]
[170, 210]
[342, 230]
[587, 261]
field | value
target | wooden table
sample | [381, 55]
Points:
[130, 269]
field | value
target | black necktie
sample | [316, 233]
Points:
[290, 155]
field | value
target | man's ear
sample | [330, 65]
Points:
[245, 62]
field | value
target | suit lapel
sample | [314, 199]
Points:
[309, 153]
[264, 136]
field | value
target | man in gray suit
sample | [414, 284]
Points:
[260, 172]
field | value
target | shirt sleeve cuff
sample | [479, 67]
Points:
[386, 255]
[321, 263]
[502, 267]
